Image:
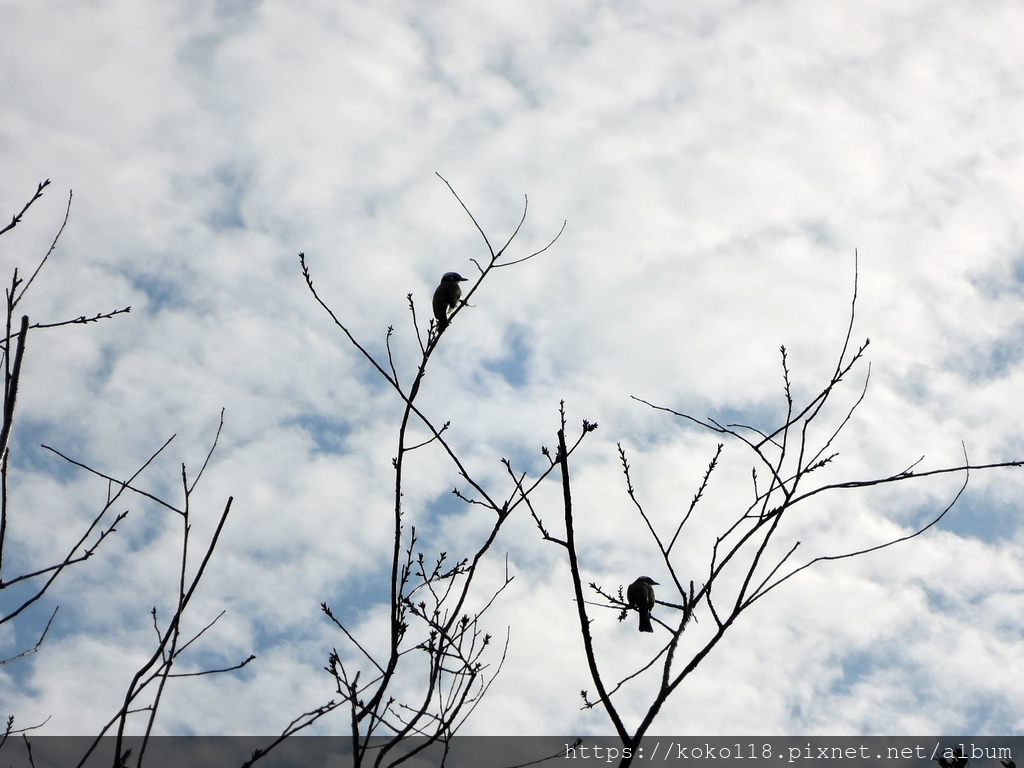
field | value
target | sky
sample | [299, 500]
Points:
[717, 166]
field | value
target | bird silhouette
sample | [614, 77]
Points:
[640, 595]
[446, 297]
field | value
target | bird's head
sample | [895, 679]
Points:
[648, 580]
[452, 277]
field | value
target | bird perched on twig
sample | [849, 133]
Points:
[446, 297]
[640, 595]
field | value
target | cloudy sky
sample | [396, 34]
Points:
[717, 164]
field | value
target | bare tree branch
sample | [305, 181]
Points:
[740, 569]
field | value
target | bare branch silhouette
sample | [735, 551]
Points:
[740, 571]
[435, 618]
[156, 672]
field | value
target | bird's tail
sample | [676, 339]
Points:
[645, 622]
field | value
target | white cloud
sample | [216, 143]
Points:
[717, 167]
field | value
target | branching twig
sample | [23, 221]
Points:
[16, 219]
[792, 460]
[430, 619]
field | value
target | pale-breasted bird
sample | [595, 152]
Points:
[640, 595]
[446, 297]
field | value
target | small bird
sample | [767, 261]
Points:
[446, 297]
[640, 595]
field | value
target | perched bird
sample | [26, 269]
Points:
[446, 297]
[640, 595]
